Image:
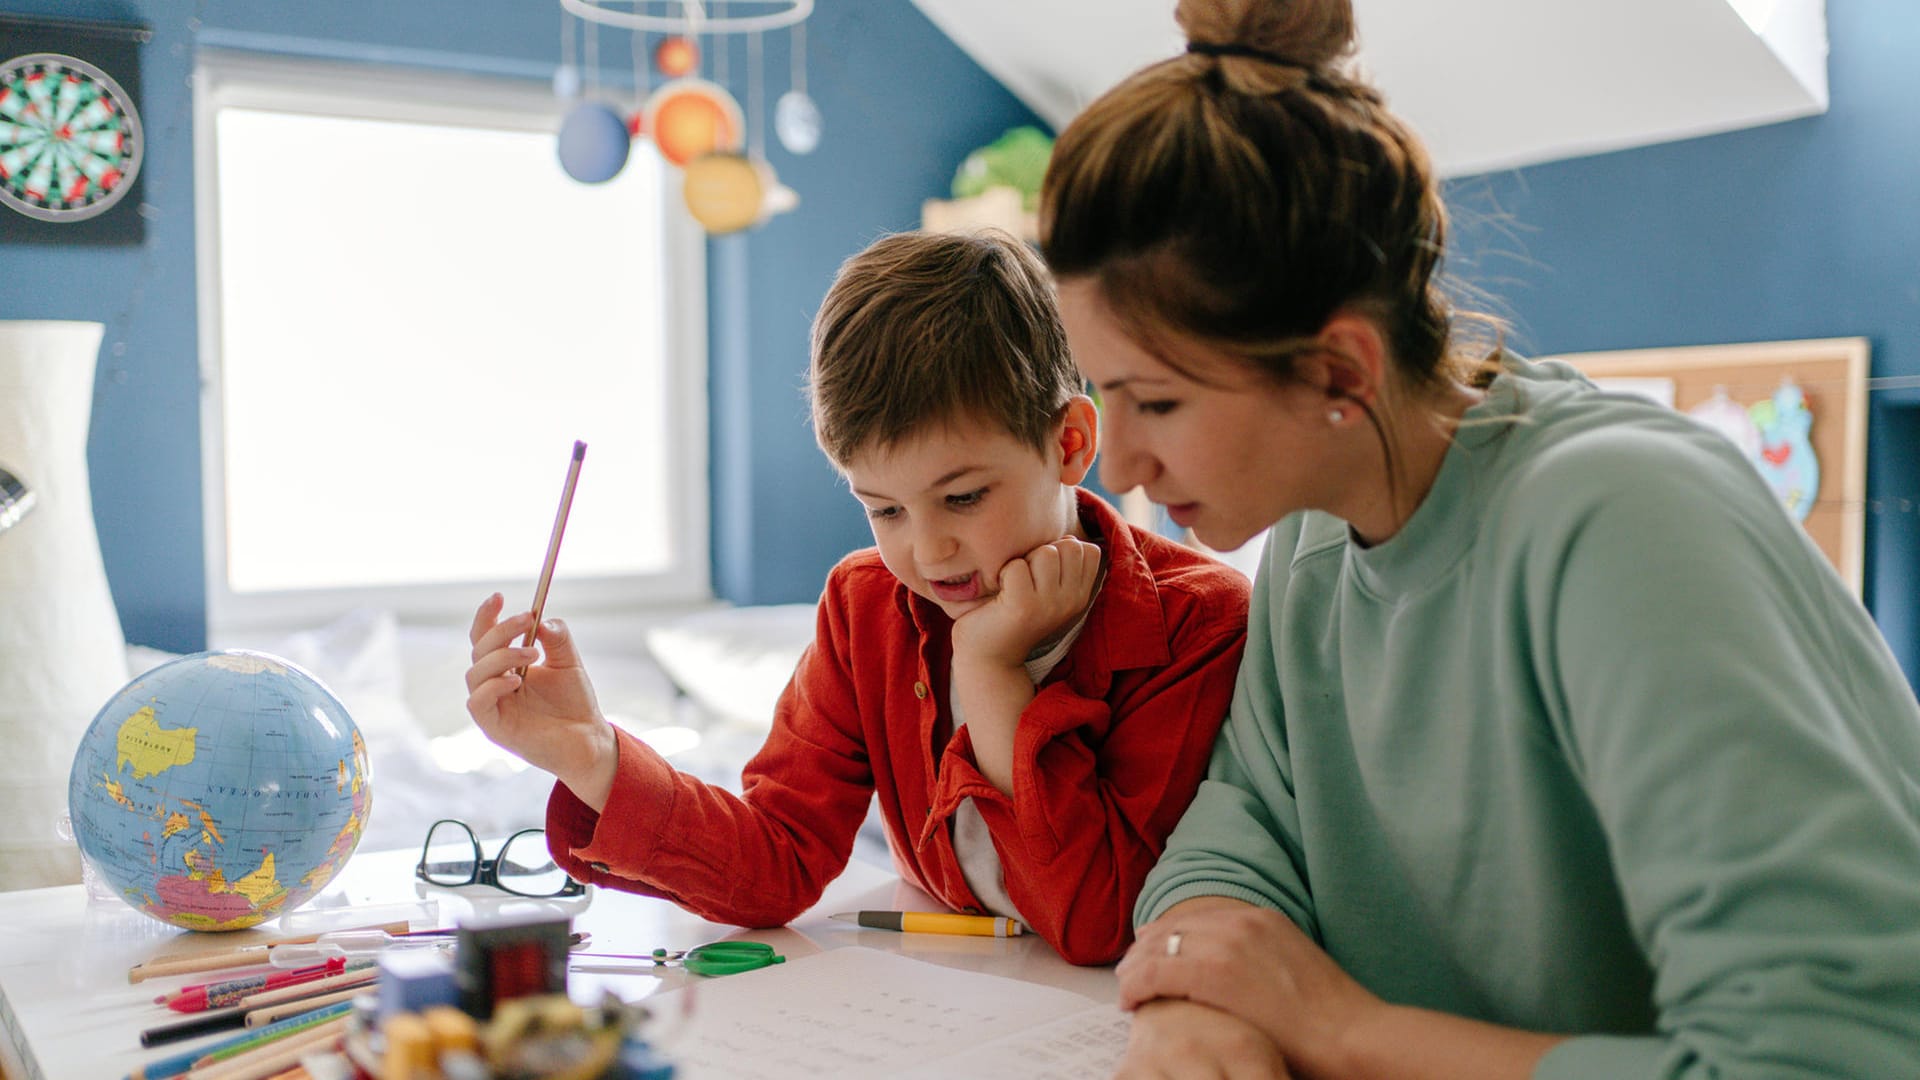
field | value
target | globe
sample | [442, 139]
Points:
[220, 790]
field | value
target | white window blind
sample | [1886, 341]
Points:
[409, 313]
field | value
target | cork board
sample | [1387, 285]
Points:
[1830, 373]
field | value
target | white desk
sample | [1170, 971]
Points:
[67, 1011]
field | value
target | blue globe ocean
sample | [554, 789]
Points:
[220, 789]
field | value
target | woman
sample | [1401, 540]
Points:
[1558, 750]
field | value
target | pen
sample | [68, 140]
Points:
[935, 922]
[355, 975]
[217, 995]
[211, 1020]
[553, 542]
[264, 1007]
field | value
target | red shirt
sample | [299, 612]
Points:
[1106, 758]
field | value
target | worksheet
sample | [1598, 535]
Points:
[858, 1012]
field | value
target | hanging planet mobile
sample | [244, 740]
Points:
[796, 119]
[70, 141]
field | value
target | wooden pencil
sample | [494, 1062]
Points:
[269, 1014]
[239, 956]
[553, 544]
[306, 990]
[273, 1057]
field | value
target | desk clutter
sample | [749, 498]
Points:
[475, 1002]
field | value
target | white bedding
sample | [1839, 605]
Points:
[707, 706]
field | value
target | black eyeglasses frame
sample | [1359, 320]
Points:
[486, 871]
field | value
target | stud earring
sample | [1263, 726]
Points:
[1336, 415]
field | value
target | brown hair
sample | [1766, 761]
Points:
[929, 328]
[1243, 193]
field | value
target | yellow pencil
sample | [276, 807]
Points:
[935, 922]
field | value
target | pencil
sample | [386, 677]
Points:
[553, 543]
[180, 1063]
[934, 922]
[297, 1026]
[240, 956]
[273, 1013]
[263, 1061]
[314, 988]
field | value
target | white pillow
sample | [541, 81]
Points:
[734, 662]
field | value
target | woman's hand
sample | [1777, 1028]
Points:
[1257, 965]
[548, 715]
[1181, 1039]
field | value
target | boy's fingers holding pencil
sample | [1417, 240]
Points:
[499, 662]
[501, 634]
[557, 640]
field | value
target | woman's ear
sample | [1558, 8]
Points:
[1352, 362]
[1079, 438]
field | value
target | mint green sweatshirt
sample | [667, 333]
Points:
[1597, 744]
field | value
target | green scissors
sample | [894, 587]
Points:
[713, 958]
[720, 957]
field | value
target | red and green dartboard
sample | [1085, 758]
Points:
[70, 142]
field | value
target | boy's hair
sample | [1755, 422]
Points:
[927, 328]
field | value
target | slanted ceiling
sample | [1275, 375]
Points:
[1490, 84]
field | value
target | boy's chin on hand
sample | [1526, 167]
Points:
[959, 590]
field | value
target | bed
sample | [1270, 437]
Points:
[699, 687]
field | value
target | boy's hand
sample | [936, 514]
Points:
[1040, 596]
[548, 716]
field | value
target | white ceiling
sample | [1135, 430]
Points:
[1489, 84]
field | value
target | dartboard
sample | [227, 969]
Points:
[70, 141]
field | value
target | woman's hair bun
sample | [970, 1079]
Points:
[1310, 33]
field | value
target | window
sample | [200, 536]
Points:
[408, 315]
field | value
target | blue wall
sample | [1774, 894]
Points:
[902, 104]
[1807, 229]
[903, 107]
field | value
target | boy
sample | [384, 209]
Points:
[1031, 686]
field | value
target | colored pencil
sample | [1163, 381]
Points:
[267, 1058]
[553, 544]
[277, 1040]
[180, 1063]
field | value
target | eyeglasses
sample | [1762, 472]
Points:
[523, 867]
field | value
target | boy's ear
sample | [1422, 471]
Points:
[1079, 439]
